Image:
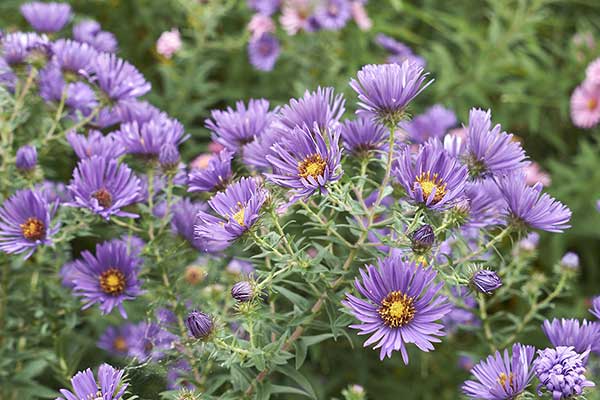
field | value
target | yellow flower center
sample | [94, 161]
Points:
[502, 379]
[120, 344]
[239, 216]
[104, 197]
[33, 229]
[397, 309]
[429, 183]
[592, 104]
[313, 165]
[112, 281]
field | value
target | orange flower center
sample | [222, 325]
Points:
[104, 197]
[592, 104]
[120, 344]
[429, 183]
[503, 379]
[397, 309]
[33, 229]
[313, 165]
[112, 281]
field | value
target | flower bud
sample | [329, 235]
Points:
[26, 159]
[570, 261]
[422, 239]
[199, 324]
[486, 281]
[168, 157]
[242, 291]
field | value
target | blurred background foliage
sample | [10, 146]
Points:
[516, 57]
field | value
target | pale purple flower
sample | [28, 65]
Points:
[264, 7]
[332, 14]
[199, 324]
[184, 214]
[26, 158]
[570, 260]
[90, 32]
[595, 310]
[362, 136]
[561, 372]
[118, 79]
[110, 385]
[46, 17]
[581, 335]
[118, 340]
[263, 52]
[151, 342]
[19, 47]
[95, 144]
[486, 281]
[169, 43]
[215, 176]
[147, 139]
[433, 123]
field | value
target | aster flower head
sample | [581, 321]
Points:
[109, 385]
[486, 203]
[362, 136]
[26, 158]
[118, 79]
[305, 161]
[235, 127]
[46, 17]
[321, 107]
[402, 306]
[263, 51]
[255, 153]
[109, 277]
[139, 111]
[151, 342]
[168, 43]
[168, 157]
[501, 376]
[104, 186]
[177, 374]
[240, 267]
[260, 24]
[386, 90]
[581, 335]
[26, 222]
[433, 123]
[118, 340]
[242, 291]
[392, 45]
[73, 58]
[264, 7]
[561, 372]
[585, 106]
[570, 261]
[486, 281]
[90, 32]
[95, 144]
[184, 212]
[199, 324]
[333, 14]
[434, 178]
[526, 205]
[19, 47]
[147, 139]
[238, 209]
[595, 310]
[422, 239]
[215, 176]
[490, 151]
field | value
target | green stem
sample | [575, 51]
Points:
[486, 323]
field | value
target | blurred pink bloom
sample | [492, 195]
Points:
[534, 174]
[585, 106]
[592, 74]
[168, 43]
[215, 147]
[360, 16]
[260, 24]
[201, 161]
[584, 39]
[294, 16]
[458, 132]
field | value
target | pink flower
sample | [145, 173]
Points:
[215, 147]
[360, 16]
[260, 24]
[585, 106]
[534, 174]
[294, 16]
[592, 74]
[168, 43]
[201, 161]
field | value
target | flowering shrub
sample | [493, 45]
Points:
[307, 228]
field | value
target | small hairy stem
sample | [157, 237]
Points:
[487, 330]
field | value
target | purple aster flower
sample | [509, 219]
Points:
[485, 203]
[581, 336]
[68, 274]
[333, 14]
[108, 387]
[242, 291]
[402, 306]
[411, 58]
[433, 123]
[81, 98]
[306, 162]
[7, 76]
[240, 267]
[486, 281]
[73, 58]
[95, 144]
[90, 32]
[104, 186]
[238, 209]
[177, 375]
[151, 342]
[561, 372]
[264, 51]
[53, 191]
[199, 324]
[19, 47]
[139, 111]
[109, 277]
[184, 213]
[529, 242]
[392, 45]
[118, 340]
[46, 17]
[466, 362]
[169, 156]
[570, 261]
[26, 158]
[362, 136]
[490, 151]
[462, 312]
[264, 7]
[434, 178]
[26, 222]
[384, 91]
[527, 205]
[255, 153]
[149, 138]
[501, 377]
[118, 79]
[235, 127]
[595, 310]
[321, 107]
[215, 176]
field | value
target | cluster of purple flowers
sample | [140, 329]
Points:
[585, 100]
